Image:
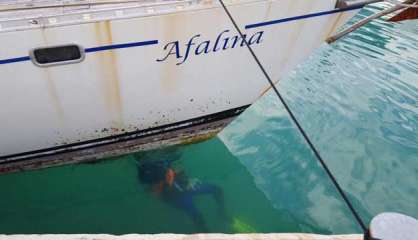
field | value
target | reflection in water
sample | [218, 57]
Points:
[358, 100]
[286, 171]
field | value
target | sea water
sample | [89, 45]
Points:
[357, 100]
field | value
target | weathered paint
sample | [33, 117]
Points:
[126, 89]
[200, 137]
[108, 66]
[184, 136]
[335, 24]
[171, 75]
[54, 96]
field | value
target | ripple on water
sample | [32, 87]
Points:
[358, 100]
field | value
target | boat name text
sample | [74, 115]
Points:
[222, 42]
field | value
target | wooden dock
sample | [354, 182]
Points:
[211, 236]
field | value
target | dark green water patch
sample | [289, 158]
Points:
[108, 197]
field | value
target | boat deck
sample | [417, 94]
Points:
[22, 15]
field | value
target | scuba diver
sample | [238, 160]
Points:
[177, 189]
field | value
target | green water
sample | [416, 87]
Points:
[358, 99]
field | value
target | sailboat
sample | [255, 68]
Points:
[86, 79]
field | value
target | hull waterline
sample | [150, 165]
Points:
[147, 76]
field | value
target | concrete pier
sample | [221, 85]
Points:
[212, 236]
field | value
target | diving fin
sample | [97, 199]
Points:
[240, 226]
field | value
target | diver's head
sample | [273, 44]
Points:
[151, 172]
[153, 165]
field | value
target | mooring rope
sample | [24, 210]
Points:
[298, 125]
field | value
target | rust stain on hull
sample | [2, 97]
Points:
[170, 74]
[185, 136]
[51, 86]
[53, 94]
[268, 88]
[295, 36]
[334, 26]
[199, 138]
[109, 74]
[267, 16]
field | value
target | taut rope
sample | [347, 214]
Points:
[299, 126]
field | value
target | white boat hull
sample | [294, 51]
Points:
[169, 70]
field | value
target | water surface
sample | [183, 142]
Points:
[357, 99]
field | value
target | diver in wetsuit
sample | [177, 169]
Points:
[178, 190]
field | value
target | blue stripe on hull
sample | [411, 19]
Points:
[90, 50]
[119, 46]
[312, 15]
[13, 60]
[153, 42]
